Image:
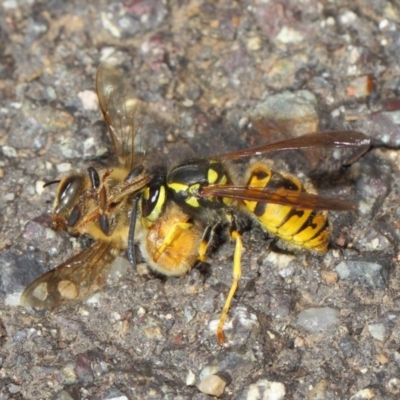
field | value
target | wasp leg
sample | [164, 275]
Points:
[206, 242]
[171, 236]
[237, 273]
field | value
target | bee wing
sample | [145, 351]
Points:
[329, 139]
[123, 112]
[72, 280]
[301, 200]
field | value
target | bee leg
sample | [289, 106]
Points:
[172, 234]
[103, 210]
[237, 273]
[102, 198]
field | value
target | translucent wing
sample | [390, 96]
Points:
[123, 112]
[329, 139]
[72, 280]
[301, 200]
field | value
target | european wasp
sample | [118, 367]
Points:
[175, 212]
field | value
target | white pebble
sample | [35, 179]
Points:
[212, 385]
[64, 167]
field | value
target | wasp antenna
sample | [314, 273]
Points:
[51, 182]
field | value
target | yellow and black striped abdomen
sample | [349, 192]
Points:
[305, 228]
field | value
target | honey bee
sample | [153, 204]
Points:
[174, 213]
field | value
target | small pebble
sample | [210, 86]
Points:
[254, 44]
[369, 272]
[9, 151]
[89, 100]
[109, 25]
[63, 395]
[363, 394]
[266, 390]
[347, 18]
[377, 331]
[382, 359]
[64, 167]
[394, 385]
[318, 319]
[190, 378]
[9, 197]
[298, 341]
[318, 392]
[289, 35]
[330, 276]
[14, 388]
[212, 385]
[39, 187]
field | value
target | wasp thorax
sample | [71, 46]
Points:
[187, 180]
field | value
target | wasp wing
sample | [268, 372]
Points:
[122, 110]
[72, 280]
[298, 199]
[329, 139]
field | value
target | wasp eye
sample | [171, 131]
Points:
[67, 193]
[150, 200]
[153, 200]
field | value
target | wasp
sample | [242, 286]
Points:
[176, 214]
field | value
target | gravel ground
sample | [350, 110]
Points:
[229, 75]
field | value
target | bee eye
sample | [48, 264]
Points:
[74, 216]
[67, 192]
[70, 187]
[64, 189]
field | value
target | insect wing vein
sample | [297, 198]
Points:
[72, 280]
[301, 200]
[329, 139]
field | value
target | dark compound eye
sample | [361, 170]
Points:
[64, 189]
[68, 192]
[74, 216]
[151, 200]
[70, 188]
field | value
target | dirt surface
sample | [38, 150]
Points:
[228, 75]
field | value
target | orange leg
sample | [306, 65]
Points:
[237, 273]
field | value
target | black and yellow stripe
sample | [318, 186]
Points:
[304, 228]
